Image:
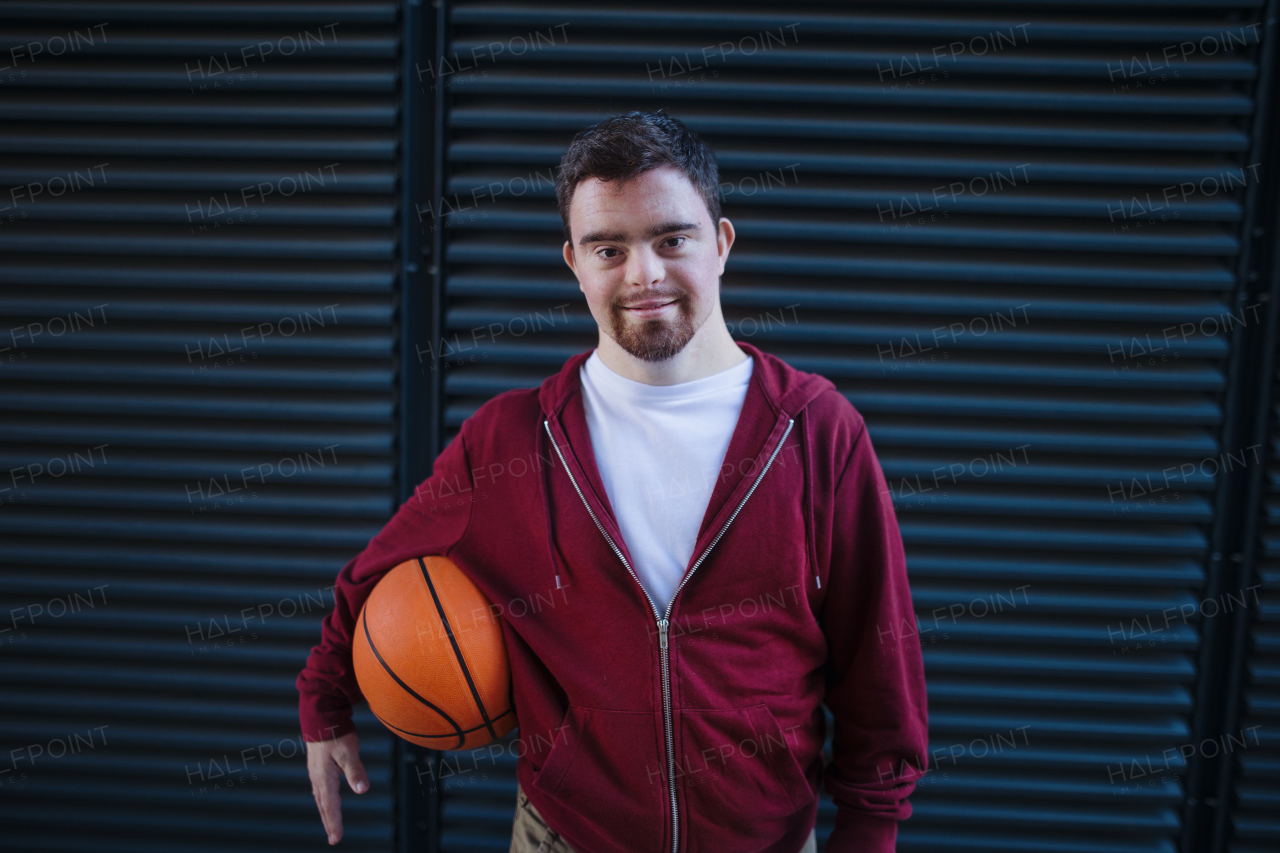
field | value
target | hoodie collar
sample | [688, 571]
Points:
[784, 389]
[776, 394]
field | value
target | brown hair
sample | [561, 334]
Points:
[626, 145]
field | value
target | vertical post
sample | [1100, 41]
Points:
[1263, 358]
[1208, 776]
[417, 824]
[419, 404]
[1235, 664]
[439, 32]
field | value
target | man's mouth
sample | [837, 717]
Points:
[650, 304]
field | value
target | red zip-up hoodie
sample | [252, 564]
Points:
[698, 728]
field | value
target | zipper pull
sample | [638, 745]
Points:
[662, 633]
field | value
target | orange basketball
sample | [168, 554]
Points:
[430, 658]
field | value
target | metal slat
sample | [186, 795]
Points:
[237, 45]
[266, 112]
[1088, 167]
[214, 143]
[873, 55]
[248, 14]
[868, 23]
[1201, 101]
[1153, 134]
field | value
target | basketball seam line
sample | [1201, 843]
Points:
[475, 694]
[364, 620]
[421, 734]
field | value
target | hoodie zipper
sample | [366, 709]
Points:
[663, 619]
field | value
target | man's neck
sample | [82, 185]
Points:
[710, 351]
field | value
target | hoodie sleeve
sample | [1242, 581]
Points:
[432, 521]
[874, 675]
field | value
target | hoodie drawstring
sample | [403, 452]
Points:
[808, 491]
[546, 506]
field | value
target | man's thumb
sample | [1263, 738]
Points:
[354, 771]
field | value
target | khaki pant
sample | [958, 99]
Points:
[530, 833]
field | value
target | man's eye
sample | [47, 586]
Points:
[674, 242]
[606, 253]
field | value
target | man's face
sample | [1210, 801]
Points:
[649, 259]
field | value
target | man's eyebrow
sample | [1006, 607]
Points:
[667, 227]
[603, 237]
[656, 231]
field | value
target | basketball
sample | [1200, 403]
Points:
[430, 658]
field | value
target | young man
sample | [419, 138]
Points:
[710, 537]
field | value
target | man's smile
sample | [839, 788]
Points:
[650, 307]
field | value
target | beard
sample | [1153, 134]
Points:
[654, 340]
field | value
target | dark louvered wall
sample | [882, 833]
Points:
[1060, 401]
[1052, 713]
[198, 408]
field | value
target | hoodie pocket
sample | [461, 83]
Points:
[608, 769]
[738, 767]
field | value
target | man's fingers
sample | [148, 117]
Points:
[324, 770]
[324, 818]
[326, 761]
[330, 805]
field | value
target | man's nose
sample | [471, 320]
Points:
[644, 268]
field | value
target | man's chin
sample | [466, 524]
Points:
[653, 340]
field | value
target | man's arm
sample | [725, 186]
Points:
[431, 521]
[874, 675]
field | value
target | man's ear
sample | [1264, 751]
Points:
[570, 260]
[724, 241]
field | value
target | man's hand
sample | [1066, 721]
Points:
[326, 761]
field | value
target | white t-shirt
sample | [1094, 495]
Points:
[659, 449]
